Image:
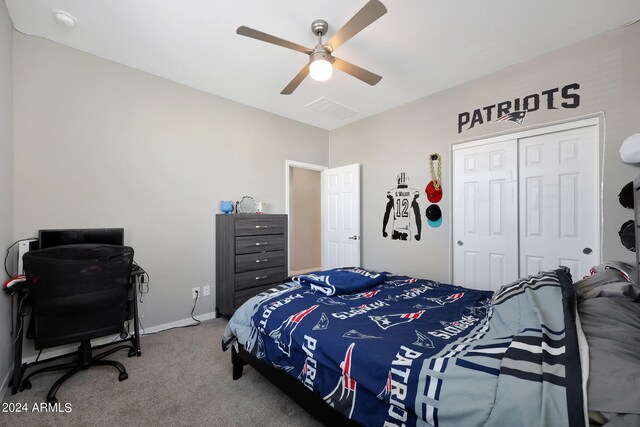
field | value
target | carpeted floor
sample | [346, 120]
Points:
[182, 378]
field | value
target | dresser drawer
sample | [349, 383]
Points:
[253, 279]
[251, 257]
[252, 244]
[259, 261]
[242, 296]
[265, 225]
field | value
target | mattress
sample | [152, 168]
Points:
[415, 352]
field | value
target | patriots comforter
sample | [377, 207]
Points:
[410, 352]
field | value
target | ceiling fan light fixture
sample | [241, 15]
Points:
[320, 69]
[321, 60]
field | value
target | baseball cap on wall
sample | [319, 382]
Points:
[627, 235]
[626, 196]
[434, 215]
[434, 195]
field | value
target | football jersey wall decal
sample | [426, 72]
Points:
[403, 202]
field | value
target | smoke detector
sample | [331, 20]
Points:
[64, 18]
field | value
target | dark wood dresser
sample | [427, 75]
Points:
[251, 256]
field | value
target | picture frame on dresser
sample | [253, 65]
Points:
[251, 257]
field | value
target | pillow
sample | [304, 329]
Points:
[612, 329]
[607, 283]
[630, 149]
[340, 280]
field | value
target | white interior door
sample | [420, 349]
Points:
[485, 215]
[341, 217]
[559, 188]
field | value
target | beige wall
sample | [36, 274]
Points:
[399, 140]
[98, 144]
[6, 179]
[305, 219]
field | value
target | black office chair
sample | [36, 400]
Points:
[77, 293]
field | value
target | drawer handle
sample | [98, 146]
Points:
[261, 277]
[262, 244]
[262, 226]
[262, 260]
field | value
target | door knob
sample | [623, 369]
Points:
[460, 242]
[353, 238]
[587, 251]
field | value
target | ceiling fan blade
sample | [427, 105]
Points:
[357, 72]
[296, 81]
[259, 35]
[365, 17]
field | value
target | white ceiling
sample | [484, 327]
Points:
[419, 47]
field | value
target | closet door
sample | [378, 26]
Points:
[485, 215]
[559, 207]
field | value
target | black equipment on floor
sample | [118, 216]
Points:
[78, 293]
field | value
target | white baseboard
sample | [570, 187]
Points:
[178, 323]
[59, 351]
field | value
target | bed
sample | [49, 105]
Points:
[401, 351]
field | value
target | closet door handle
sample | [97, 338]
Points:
[460, 242]
[587, 251]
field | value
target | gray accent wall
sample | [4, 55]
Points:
[400, 140]
[98, 144]
[6, 178]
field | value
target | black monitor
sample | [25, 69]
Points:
[107, 236]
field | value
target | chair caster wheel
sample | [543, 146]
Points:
[26, 385]
[131, 353]
[123, 376]
[53, 400]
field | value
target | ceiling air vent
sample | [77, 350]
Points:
[330, 108]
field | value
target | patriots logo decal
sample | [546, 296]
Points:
[385, 394]
[388, 320]
[398, 283]
[423, 340]
[322, 324]
[330, 301]
[343, 397]
[368, 294]
[353, 334]
[447, 300]
[282, 335]
[516, 116]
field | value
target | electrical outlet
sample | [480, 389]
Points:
[206, 291]
[195, 292]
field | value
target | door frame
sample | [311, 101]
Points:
[288, 165]
[596, 119]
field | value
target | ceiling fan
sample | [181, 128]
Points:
[321, 59]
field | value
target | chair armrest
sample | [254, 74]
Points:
[15, 284]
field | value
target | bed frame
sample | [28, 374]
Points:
[307, 399]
